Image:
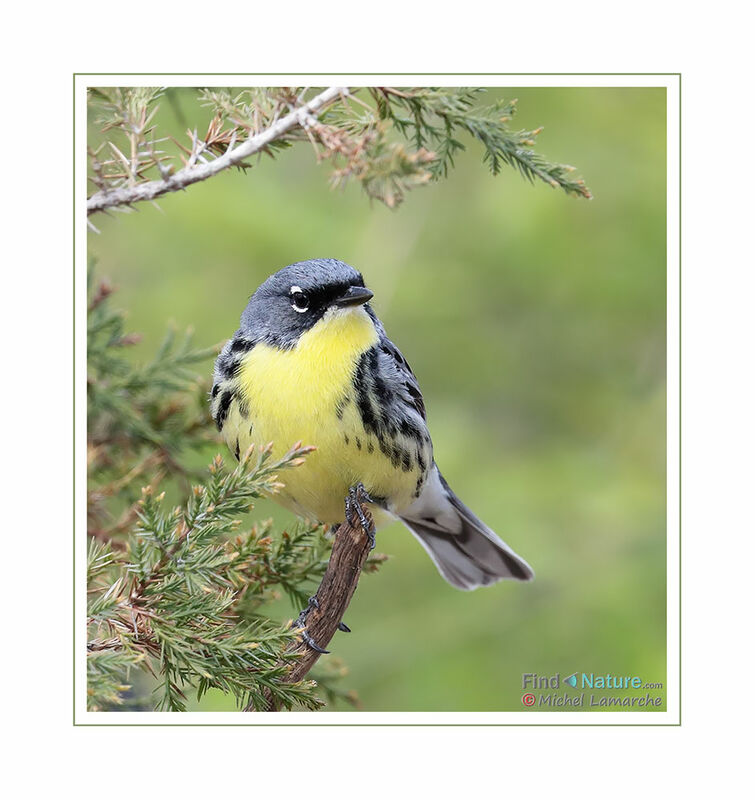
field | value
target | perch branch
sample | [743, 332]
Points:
[347, 558]
[127, 195]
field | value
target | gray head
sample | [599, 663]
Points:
[296, 297]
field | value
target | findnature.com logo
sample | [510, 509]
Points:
[548, 696]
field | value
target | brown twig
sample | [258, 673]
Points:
[351, 549]
[192, 173]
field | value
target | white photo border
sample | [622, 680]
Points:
[672, 715]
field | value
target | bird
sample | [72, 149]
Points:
[311, 362]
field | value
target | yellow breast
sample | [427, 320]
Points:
[306, 381]
[306, 394]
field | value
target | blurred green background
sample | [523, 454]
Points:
[536, 326]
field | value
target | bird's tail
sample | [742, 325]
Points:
[466, 552]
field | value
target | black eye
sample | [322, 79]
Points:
[299, 299]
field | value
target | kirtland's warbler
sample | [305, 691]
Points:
[311, 362]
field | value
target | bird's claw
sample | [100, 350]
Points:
[342, 626]
[310, 642]
[301, 622]
[313, 602]
[358, 495]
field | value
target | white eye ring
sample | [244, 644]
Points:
[298, 290]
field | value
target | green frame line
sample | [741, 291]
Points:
[677, 724]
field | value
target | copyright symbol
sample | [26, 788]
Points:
[528, 699]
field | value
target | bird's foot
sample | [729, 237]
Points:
[358, 495]
[310, 642]
[301, 622]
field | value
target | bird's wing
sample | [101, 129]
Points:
[391, 408]
[394, 363]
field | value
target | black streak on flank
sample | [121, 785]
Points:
[236, 450]
[381, 390]
[418, 487]
[386, 423]
[215, 390]
[369, 420]
[359, 443]
[225, 403]
[370, 447]
[341, 405]
[406, 461]
[346, 438]
[421, 461]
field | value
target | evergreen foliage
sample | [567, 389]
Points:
[389, 140]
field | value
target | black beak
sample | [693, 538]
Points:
[355, 296]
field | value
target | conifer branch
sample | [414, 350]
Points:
[141, 419]
[435, 117]
[170, 603]
[193, 173]
[389, 140]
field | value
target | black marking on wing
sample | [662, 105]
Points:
[410, 379]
